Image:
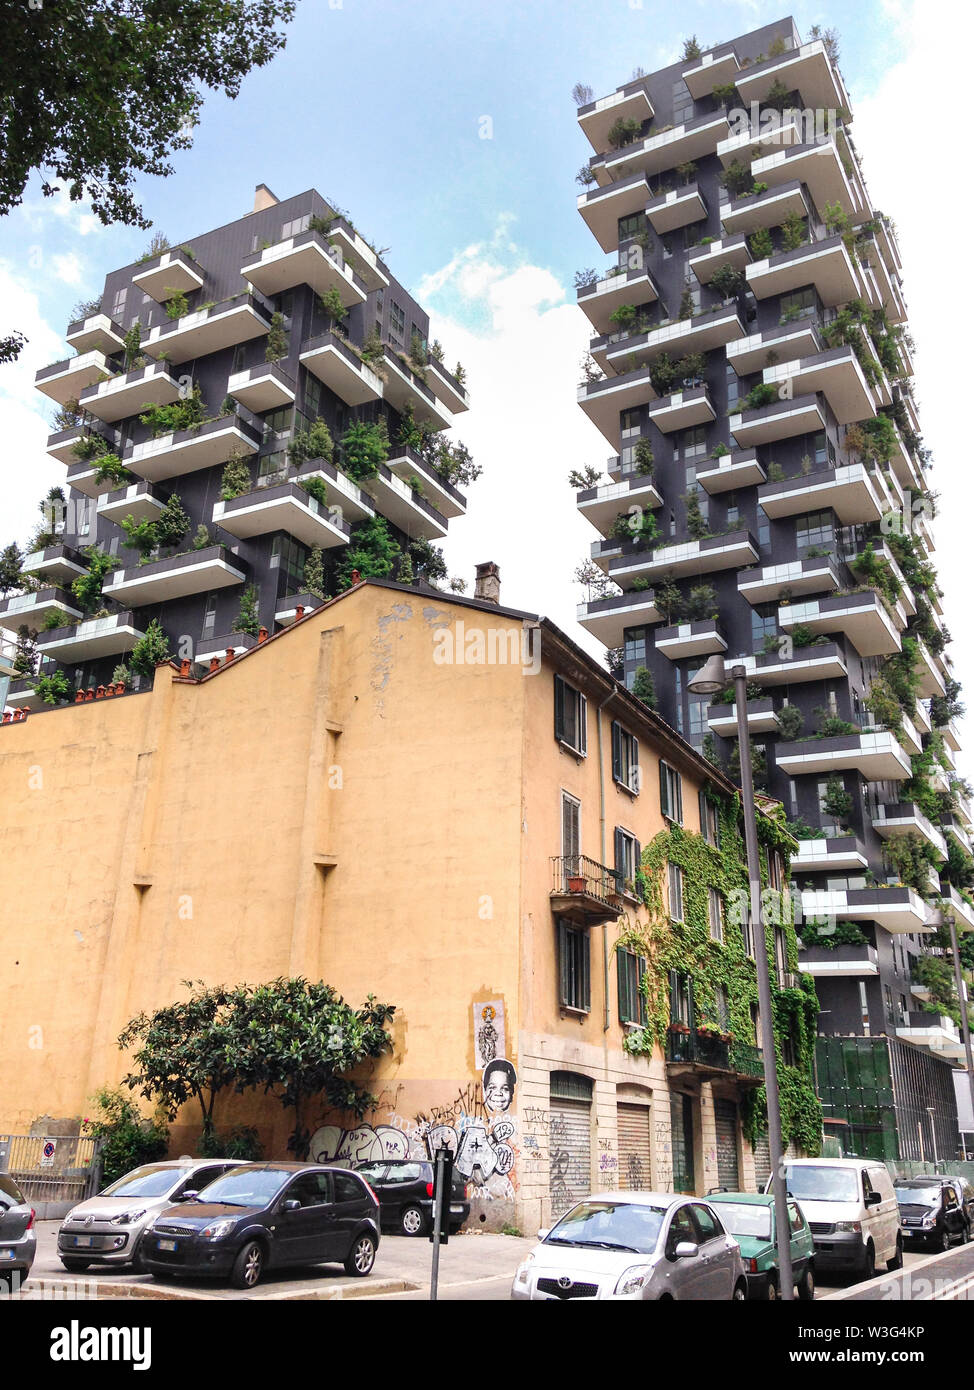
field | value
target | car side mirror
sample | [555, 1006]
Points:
[544, 1232]
[190, 1195]
[292, 1204]
[685, 1250]
[874, 1199]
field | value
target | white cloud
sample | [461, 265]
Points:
[67, 268]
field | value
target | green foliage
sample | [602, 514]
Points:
[760, 243]
[831, 726]
[624, 131]
[427, 559]
[371, 551]
[794, 233]
[624, 316]
[727, 281]
[128, 1141]
[242, 1141]
[418, 359]
[691, 48]
[110, 468]
[314, 573]
[317, 488]
[87, 588]
[121, 675]
[276, 346]
[184, 414]
[686, 302]
[331, 304]
[697, 527]
[53, 689]
[313, 443]
[235, 480]
[837, 803]
[202, 539]
[11, 574]
[26, 653]
[759, 763]
[140, 535]
[669, 601]
[760, 395]
[791, 721]
[247, 620]
[173, 523]
[801, 830]
[132, 344]
[725, 93]
[701, 603]
[580, 479]
[737, 179]
[54, 619]
[643, 687]
[150, 650]
[177, 304]
[405, 572]
[911, 856]
[363, 447]
[834, 218]
[643, 456]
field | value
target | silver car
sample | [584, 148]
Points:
[634, 1245]
[108, 1229]
[18, 1243]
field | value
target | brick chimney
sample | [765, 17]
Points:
[487, 584]
[264, 198]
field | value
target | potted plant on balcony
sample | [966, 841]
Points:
[576, 883]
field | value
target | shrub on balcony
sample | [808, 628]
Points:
[791, 721]
[184, 414]
[760, 244]
[150, 650]
[583, 479]
[277, 340]
[624, 131]
[248, 619]
[760, 395]
[643, 687]
[759, 763]
[176, 303]
[686, 171]
[235, 480]
[794, 232]
[624, 317]
[911, 857]
[317, 489]
[803, 831]
[313, 443]
[172, 525]
[53, 689]
[725, 93]
[828, 937]
[669, 601]
[140, 535]
[686, 302]
[728, 695]
[831, 726]
[662, 374]
[837, 803]
[54, 619]
[363, 447]
[314, 573]
[87, 588]
[643, 456]
[696, 523]
[371, 550]
[585, 176]
[737, 179]
[111, 469]
[132, 343]
[727, 281]
[202, 539]
[701, 603]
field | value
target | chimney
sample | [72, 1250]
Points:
[487, 584]
[264, 198]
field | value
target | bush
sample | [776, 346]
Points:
[791, 721]
[242, 1141]
[317, 488]
[150, 650]
[644, 688]
[313, 443]
[236, 479]
[128, 1140]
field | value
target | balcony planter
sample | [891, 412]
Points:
[576, 883]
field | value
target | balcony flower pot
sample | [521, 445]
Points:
[576, 883]
[679, 1028]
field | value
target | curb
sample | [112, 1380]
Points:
[356, 1290]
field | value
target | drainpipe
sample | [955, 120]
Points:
[605, 925]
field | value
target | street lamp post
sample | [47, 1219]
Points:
[961, 1001]
[710, 679]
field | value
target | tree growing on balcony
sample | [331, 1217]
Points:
[794, 232]
[624, 131]
[87, 588]
[109, 468]
[372, 551]
[173, 523]
[696, 523]
[363, 447]
[727, 280]
[53, 689]
[837, 803]
[11, 573]
[25, 653]
[669, 601]
[313, 443]
[644, 688]
[150, 650]
[588, 477]
[248, 619]
[176, 303]
[594, 581]
[701, 603]
[737, 179]
[133, 344]
[314, 573]
[276, 346]
[235, 480]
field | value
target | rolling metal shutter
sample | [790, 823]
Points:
[762, 1160]
[570, 1140]
[681, 1131]
[635, 1171]
[728, 1169]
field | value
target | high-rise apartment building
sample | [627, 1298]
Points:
[769, 500]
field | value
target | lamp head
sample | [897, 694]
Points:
[710, 678]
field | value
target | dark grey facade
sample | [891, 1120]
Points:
[750, 371]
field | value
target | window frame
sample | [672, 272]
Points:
[574, 967]
[670, 792]
[677, 881]
[562, 691]
[625, 759]
[630, 970]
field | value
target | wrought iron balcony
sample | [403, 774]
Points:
[585, 890]
[696, 1050]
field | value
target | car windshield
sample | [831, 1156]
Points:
[371, 1171]
[246, 1189]
[810, 1183]
[919, 1196]
[145, 1182]
[610, 1225]
[745, 1219]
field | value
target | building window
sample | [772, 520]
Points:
[209, 616]
[570, 717]
[571, 831]
[788, 1051]
[118, 304]
[670, 792]
[764, 623]
[632, 225]
[815, 529]
[291, 557]
[698, 719]
[635, 647]
[271, 468]
[625, 758]
[723, 1008]
[312, 396]
[278, 421]
[715, 914]
[709, 821]
[573, 967]
[674, 878]
[397, 323]
[295, 228]
[801, 304]
[631, 425]
[693, 443]
[632, 1003]
[821, 449]
[627, 856]
[681, 999]
[780, 955]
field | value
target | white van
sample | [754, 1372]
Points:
[851, 1207]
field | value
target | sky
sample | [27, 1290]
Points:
[448, 131]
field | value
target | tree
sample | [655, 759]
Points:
[363, 448]
[53, 689]
[313, 443]
[332, 306]
[128, 1140]
[173, 523]
[236, 479]
[248, 619]
[669, 601]
[10, 569]
[837, 802]
[150, 650]
[314, 573]
[643, 687]
[25, 655]
[87, 588]
[140, 535]
[426, 559]
[277, 343]
[371, 551]
[581, 94]
[595, 582]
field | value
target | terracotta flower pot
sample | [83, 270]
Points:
[576, 884]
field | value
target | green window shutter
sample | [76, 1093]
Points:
[620, 856]
[678, 810]
[563, 961]
[664, 790]
[674, 996]
[586, 992]
[640, 1010]
[616, 751]
[559, 709]
[622, 974]
[704, 818]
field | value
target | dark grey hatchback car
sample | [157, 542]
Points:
[265, 1216]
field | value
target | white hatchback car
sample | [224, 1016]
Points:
[634, 1245]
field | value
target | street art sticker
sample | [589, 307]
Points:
[500, 1081]
[488, 1032]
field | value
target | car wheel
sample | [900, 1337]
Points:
[361, 1257]
[455, 1230]
[868, 1268]
[412, 1222]
[941, 1240]
[897, 1261]
[740, 1292]
[806, 1285]
[965, 1233]
[248, 1266]
[75, 1265]
[771, 1289]
[138, 1259]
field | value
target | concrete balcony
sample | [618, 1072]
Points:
[834, 854]
[813, 575]
[404, 388]
[841, 963]
[882, 551]
[220, 648]
[596, 118]
[187, 451]
[21, 694]
[287, 608]
[690, 639]
[768, 209]
[358, 254]
[823, 662]
[176, 576]
[848, 490]
[602, 506]
[729, 551]
[819, 168]
[701, 333]
[8, 654]
[875, 755]
[32, 610]
[909, 735]
[707, 259]
[58, 564]
[909, 473]
[683, 410]
[407, 464]
[608, 618]
[861, 617]
[935, 1032]
[806, 69]
[305, 259]
[761, 718]
[888, 245]
[895, 909]
[716, 69]
[171, 272]
[95, 333]
[334, 363]
[668, 212]
[931, 680]
[445, 387]
[602, 298]
[404, 506]
[951, 736]
[835, 373]
[691, 140]
[286, 507]
[601, 208]
[780, 420]
[125, 395]
[602, 401]
[264, 387]
[346, 499]
[65, 381]
[825, 264]
[82, 476]
[583, 890]
[138, 500]
[788, 342]
[205, 331]
[91, 639]
[730, 471]
[962, 909]
[903, 818]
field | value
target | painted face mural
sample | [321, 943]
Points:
[500, 1079]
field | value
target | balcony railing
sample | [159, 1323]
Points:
[713, 1052]
[585, 890]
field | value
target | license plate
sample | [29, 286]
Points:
[6, 1254]
[167, 1245]
[82, 1240]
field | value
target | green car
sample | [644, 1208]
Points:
[749, 1218]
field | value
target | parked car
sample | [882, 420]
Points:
[404, 1187]
[965, 1195]
[109, 1229]
[851, 1208]
[749, 1218]
[931, 1213]
[18, 1243]
[634, 1245]
[268, 1216]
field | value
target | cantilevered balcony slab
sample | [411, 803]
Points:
[305, 259]
[822, 662]
[286, 507]
[357, 253]
[935, 1032]
[60, 444]
[629, 103]
[22, 694]
[446, 388]
[691, 140]
[806, 69]
[761, 138]
[172, 271]
[447, 500]
[700, 333]
[32, 610]
[905, 818]
[602, 298]
[730, 551]
[127, 394]
[96, 333]
[961, 908]
[787, 343]
[405, 507]
[731, 471]
[92, 639]
[602, 401]
[138, 500]
[834, 854]
[8, 655]
[186, 451]
[219, 648]
[895, 909]
[861, 617]
[840, 963]
[82, 476]
[875, 755]
[683, 410]
[669, 211]
[603, 505]
[205, 331]
[608, 618]
[835, 373]
[952, 736]
[848, 490]
[65, 381]
[882, 551]
[287, 608]
[346, 500]
[819, 167]
[707, 259]
[761, 718]
[341, 370]
[264, 387]
[690, 639]
[58, 564]
[176, 576]
[768, 209]
[601, 208]
[813, 575]
[931, 681]
[780, 420]
[402, 388]
[825, 264]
